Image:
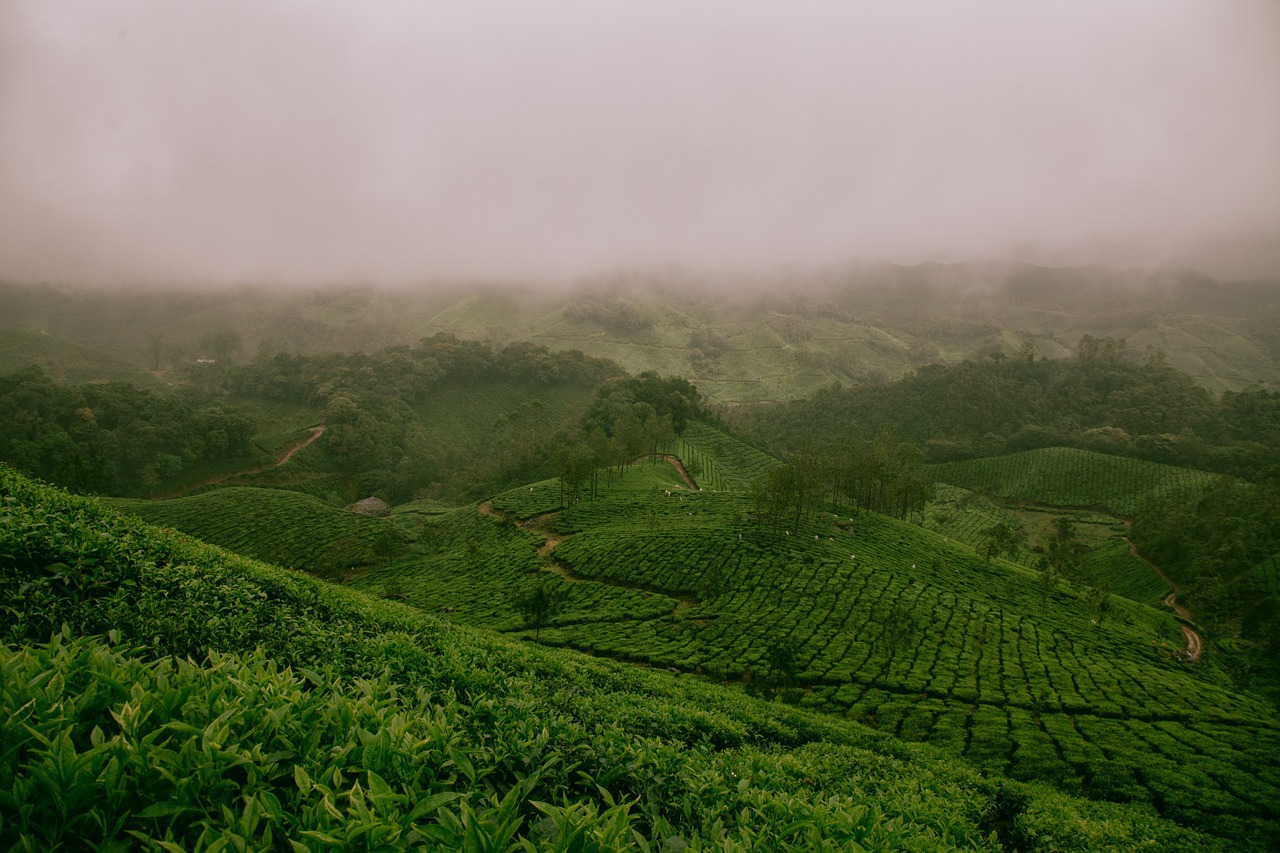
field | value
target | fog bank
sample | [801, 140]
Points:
[405, 142]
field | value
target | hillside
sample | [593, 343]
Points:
[305, 713]
[869, 619]
[276, 526]
[1069, 477]
[69, 362]
[779, 335]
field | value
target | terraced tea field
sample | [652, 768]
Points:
[472, 565]
[882, 622]
[853, 614]
[722, 461]
[965, 516]
[1064, 476]
[422, 735]
[277, 526]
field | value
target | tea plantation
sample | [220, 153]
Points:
[1065, 476]
[871, 619]
[162, 694]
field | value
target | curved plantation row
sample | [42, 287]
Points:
[194, 699]
[726, 462]
[965, 516]
[278, 526]
[1126, 573]
[1065, 476]
[473, 567]
[1013, 693]
[918, 636]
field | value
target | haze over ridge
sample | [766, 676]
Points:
[404, 142]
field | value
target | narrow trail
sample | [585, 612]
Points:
[542, 524]
[1195, 643]
[675, 463]
[290, 450]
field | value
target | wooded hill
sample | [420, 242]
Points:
[743, 336]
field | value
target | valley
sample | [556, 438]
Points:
[966, 574]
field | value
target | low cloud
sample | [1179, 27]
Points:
[404, 142]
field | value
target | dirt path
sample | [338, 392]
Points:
[316, 432]
[1195, 643]
[542, 524]
[675, 463]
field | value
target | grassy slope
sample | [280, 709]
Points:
[69, 362]
[770, 355]
[276, 526]
[302, 712]
[1017, 681]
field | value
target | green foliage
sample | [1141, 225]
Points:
[1096, 401]
[276, 526]
[1074, 478]
[305, 716]
[918, 636]
[540, 604]
[984, 671]
[445, 418]
[1218, 546]
[111, 438]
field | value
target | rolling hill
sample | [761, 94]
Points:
[870, 619]
[744, 337]
[69, 362]
[175, 696]
[1070, 477]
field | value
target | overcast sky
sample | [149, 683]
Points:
[398, 142]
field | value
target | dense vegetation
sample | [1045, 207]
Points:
[113, 438]
[172, 696]
[1097, 400]
[865, 617]
[374, 406]
[1019, 633]
[1221, 545]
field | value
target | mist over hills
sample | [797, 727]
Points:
[742, 337]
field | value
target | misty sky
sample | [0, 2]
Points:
[400, 142]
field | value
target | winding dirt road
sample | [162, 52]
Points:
[316, 432]
[1195, 643]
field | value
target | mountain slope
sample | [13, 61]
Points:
[872, 619]
[301, 712]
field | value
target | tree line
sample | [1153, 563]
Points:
[882, 475]
[1102, 399]
[112, 438]
[630, 417]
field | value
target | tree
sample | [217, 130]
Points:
[900, 629]
[1099, 600]
[1004, 537]
[539, 605]
[1065, 550]
[574, 465]
[1047, 582]
[221, 343]
[155, 348]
